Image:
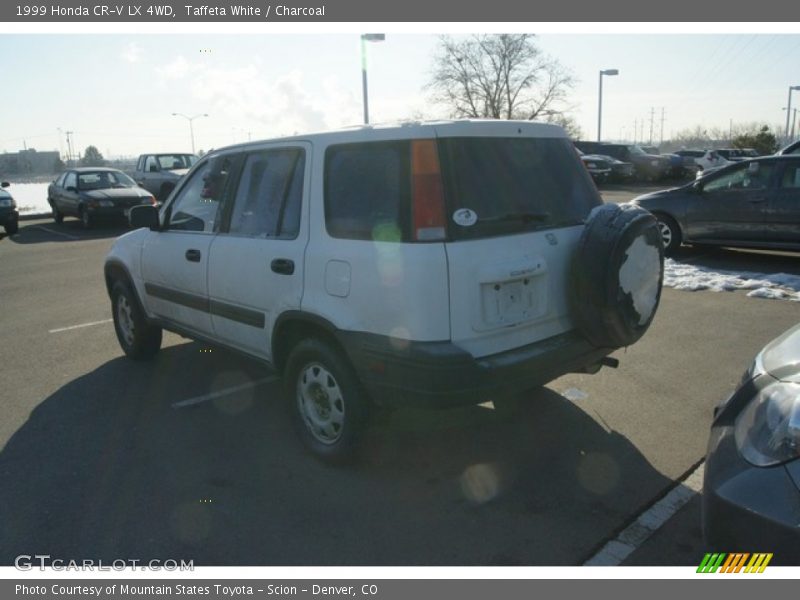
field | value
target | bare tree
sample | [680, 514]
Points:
[502, 76]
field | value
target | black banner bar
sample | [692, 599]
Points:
[337, 11]
[728, 587]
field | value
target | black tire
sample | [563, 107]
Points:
[85, 217]
[58, 217]
[11, 227]
[327, 403]
[139, 339]
[671, 235]
[615, 293]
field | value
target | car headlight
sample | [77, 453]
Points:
[106, 203]
[6, 202]
[591, 165]
[767, 432]
[654, 163]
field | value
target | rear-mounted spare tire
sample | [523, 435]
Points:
[617, 273]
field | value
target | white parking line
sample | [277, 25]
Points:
[48, 230]
[223, 392]
[60, 329]
[635, 534]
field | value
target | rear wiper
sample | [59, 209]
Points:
[526, 217]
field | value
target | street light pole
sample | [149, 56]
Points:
[367, 37]
[600, 100]
[789, 108]
[191, 128]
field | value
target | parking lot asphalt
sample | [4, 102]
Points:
[192, 456]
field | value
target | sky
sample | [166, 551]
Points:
[118, 92]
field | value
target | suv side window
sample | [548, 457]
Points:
[367, 188]
[150, 163]
[198, 205]
[71, 180]
[269, 194]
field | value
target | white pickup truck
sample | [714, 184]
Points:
[158, 173]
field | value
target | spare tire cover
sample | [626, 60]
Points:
[617, 273]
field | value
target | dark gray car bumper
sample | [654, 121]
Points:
[748, 508]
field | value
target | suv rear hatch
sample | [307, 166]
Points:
[516, 200]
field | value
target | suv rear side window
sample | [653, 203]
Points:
[515, 184]
[367, 189]
[269, 194]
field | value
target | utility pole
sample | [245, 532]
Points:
[69, 145]
[661, 137]
[652, 114]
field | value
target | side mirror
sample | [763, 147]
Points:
[144, 216]
[5, 184]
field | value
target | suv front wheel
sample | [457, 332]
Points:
[326, 401]
[139, 339]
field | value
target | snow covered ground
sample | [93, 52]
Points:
[31, 197]
[779, 286]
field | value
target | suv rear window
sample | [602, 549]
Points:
[515, 184]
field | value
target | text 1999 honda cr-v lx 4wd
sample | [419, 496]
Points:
[430, 264]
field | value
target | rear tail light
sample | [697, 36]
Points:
[428, 195]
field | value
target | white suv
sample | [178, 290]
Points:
[429, 264]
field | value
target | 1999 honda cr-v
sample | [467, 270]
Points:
[430, 264]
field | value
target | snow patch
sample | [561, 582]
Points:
[31, 198]
[575, 395]
[776, 286]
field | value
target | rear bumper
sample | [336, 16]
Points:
[440, 375]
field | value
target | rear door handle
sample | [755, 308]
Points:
[284, 266]
[193, 255]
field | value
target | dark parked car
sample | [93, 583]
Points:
[91, 193]
[620, 170]
[599, 168]
[9, 216]
[754, 203]
[649, 167]
[751, 500]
